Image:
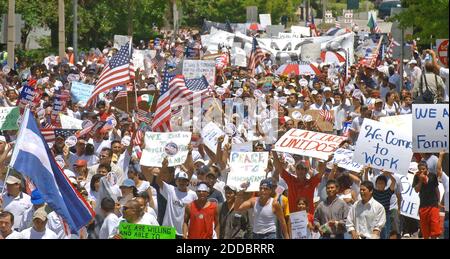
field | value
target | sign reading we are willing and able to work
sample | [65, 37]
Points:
[308, 143]
[139, 231]
[383, 146]
[430, 128]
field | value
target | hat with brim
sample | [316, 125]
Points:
[13, 180]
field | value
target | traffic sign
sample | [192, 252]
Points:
[442, 46]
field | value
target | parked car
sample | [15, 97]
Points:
[384, 9]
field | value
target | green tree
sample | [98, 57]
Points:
[428, 17]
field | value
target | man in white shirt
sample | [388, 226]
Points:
[111, 220]
[416, 72]
[39, 229]
[441, 71]
[106, 159]
[6, 222]
[366, 217]
[15, 201]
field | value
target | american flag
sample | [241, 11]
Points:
[121, 94]
[143, 116]
[256, 56]
[372, 24]
[390, 49]
[326, 115]
[119, 71]
[188, 91]
[90, 129]
[161, 120]
[222, 61]
[50, 134]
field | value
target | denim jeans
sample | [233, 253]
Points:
[446, 226]
[387, 227]
[270, 235]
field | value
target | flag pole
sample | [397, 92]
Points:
[4, 184]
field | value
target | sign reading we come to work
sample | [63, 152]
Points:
[138, 231]
[430, 128]
[383, 146]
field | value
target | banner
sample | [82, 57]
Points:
[158, 145]
[299, 225]
[59, 105]
[410, 198]
[210, 133]
[68, 122]
[9, 117]
[248, 167]
[80, 92]
[198, 68]
[383, 147]
[311, 52]
[138, 231]
[430, 128]
[308, 143]
[344, 159]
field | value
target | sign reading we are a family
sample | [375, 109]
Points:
[247, 167]
[383, 146]
[430, 128]
[173, 145]
[308, 143]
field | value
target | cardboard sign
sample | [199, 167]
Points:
[308, 143]
[68, 122]
[299, 225]
[410, 198]
[198, 68]
[120, 40]
[344, 159]
[128, 103]
[265, 20]
[322, 124]
[138, 231]
[248, 167]
[9, 118]
[383, 147]
[173, 145]
[210, 133]
[80, 92]
[430, 128]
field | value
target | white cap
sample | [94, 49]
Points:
[413, 167]
[202, 187]
[327, 89]
[314, 92]
[181, 175]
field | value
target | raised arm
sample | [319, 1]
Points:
[187, 215]
[189, 163]
[439, 164]
[279, 213]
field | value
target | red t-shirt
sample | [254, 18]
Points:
[201, 221]
[297, 190]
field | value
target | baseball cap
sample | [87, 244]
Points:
[80, 162]
[314, 92]
[13, 180]
[181, 175]
[201, 186]
[266, 183]
[200, 161]
[40, 214]
[413, 167]
[36, 197]
[128, 183]
[231, 187]
[378, 100]
[327, 89]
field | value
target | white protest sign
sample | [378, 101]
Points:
[242, 147]
[344, 159]
[199, 68]
[139, 58]
[311, 52]
[410, 198]
[120, 40]
[308, 143]
[210, 133]
[299, 224]
[80, 92]
[404, 122]
[383, 147]
[248, 167]
[430, 128]
[173, 145]
[301, 30]
[238, 57]
[68, 122]
[265, 20]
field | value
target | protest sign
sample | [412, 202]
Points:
[274, 30]
[80, 92]
[146, 101]
[430, 128]
[299, 225]
[265, 20]
[410, 198]
[248, 167]
[210, 133]
[173, 145]
[138, 231]
[308, 143]
[404, 122]
[28, 96]
[59, 105]
[383, 147]
[68, 122]
[301, 30]
[238, 57]
[242, 147]
[344, 159]
[198, 68]
[120, 40]
[140, 57]
[9, 117]
[311, 52]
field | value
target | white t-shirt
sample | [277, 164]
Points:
[55, 224]
[110, 222]
[14, 235]
[444, 180]
[30, 233]
[98, 146]
[176, 203]
[18, 206]
[443, 72]
[143, 187]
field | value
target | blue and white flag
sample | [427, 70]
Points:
[32, 158]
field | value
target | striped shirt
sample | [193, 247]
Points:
[383, 197]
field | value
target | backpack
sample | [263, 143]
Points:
[427, 96]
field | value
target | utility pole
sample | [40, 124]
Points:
[75, 30]
[175, 18]
[11, 32]
[61, 30]
[402, 54]
[324, 7]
